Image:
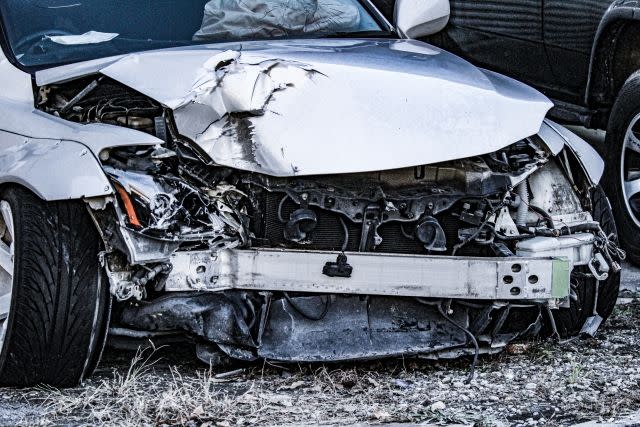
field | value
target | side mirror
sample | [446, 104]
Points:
[419, 18]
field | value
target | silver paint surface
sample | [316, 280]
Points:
[587, 155]
[53, 169]
[335, 106]
[358, 105]
[433, 276]
[54, 158]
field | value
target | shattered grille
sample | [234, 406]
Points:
[329, 232]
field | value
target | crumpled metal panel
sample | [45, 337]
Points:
[219, 317]
[322, 328]
[332, 106]
[357, 328]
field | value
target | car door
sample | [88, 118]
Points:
[569, 31]
[501, 35]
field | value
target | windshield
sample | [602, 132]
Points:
[43, 33]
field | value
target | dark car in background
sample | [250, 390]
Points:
[585, 55]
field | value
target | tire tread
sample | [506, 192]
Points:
[569, 321]
[58, 294]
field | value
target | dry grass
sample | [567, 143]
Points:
[142, 397]
[257, 395]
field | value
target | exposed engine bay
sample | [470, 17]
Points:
[440, 260]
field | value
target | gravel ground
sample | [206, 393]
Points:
[541, 383]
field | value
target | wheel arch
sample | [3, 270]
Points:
[611, 64]
[51, 169]
[558, 137]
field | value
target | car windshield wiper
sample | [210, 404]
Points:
[360, 34]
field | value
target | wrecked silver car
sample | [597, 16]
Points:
[293, 181]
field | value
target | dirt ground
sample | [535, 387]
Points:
[542, 383]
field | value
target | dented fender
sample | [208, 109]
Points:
[52, 169]
[54, 158]
[556, 137]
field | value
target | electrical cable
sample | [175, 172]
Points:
[472, 370]
[554, 327]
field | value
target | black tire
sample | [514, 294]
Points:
[60, 303]
[569, 321]
[626, 107]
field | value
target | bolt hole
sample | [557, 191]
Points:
[516, 268]
[358, 216]
[508, 279]
[533, 279]
[515, 291]
[201, 269]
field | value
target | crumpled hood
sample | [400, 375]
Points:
[330, 106]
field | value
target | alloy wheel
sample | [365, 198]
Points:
[630, 169]
[7, 245]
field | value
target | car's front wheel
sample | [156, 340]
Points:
[590, 296]
[622, 175]
[54, 303]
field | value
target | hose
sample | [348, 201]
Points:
[523, 207]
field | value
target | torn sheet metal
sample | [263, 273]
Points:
[322, 328]
[333, 106]
[356, 328]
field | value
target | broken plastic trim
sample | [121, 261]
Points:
[323, 328]
[132, 216]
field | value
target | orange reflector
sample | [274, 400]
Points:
[128, 206]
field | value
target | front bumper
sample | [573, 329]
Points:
[514, 278]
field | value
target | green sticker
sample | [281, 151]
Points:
[560, 280]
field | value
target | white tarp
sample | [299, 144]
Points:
[232, 19]
[90, 37]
